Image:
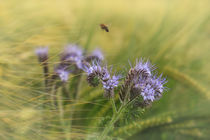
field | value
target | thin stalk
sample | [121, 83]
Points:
[53, 96]
[75, 97]
[70, 121]
[52, 89]
[113, 106]
[46, 75]
[61, 116]
[46, 78]
[79, 85]
[65, 91]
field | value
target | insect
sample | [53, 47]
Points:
[104, 27]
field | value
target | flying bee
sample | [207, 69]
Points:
[104, 27]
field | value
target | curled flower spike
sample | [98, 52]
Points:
[72, 54]
[96, 55]
[94, 72]
[97, 73]
[141, 70]
[145, 68]
[42, 54]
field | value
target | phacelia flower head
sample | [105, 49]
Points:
[62, 73]
[72, 54]
[110, 84]
[141, 82]
[96, 55]
[158, 85]
[91, 68]
[150, 89]
[42, 54]
[97, 73]
[142, 70]
[94, 72]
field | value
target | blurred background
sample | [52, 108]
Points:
[173, 34]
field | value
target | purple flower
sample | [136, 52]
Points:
[142, 70]
[73, 49]
[141, 83]
[145, 68]
[93, 73]
[110, 84]
[62, 73]
[149, 89]
[98, 73]
[148, 92]
[158, 84]
[72, 54]
[42, 54]
[95, 67]
[96, 55]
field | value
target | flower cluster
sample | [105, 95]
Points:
[72, 55]
[96, 55]
[63, 73]
[72, 60]
[141, 86]
[142, 83]
[96, 73]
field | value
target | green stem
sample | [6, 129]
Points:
[61, 116]
[113, 106]
[53, 96]
[78, 87]
[115, 117]
[110, 125]
[75, 97]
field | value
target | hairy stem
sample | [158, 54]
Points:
[110, 125]
[113, 106]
